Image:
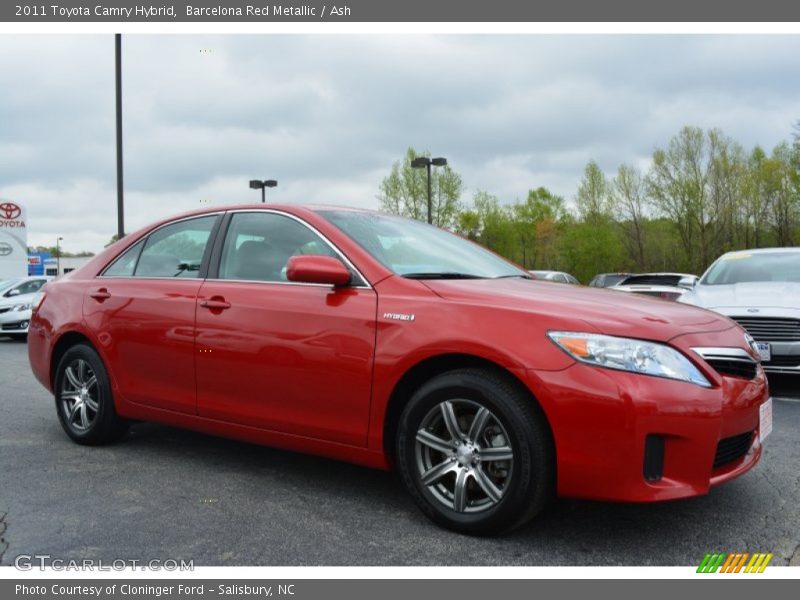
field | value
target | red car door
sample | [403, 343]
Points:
[142, 311]
[277, 355]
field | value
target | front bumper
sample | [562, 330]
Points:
[14, 321]
[602, 420]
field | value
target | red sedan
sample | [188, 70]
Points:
[390, 343]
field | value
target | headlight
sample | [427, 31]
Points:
[21, 307]
[625, 354]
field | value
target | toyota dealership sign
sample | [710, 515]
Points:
[13, 240]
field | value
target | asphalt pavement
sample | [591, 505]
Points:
[163, 493]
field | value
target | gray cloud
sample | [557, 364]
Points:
[327, 115]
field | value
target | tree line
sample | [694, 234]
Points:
[702, 194]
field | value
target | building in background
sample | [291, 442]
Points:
[67, 263]
[36, 262]
[13, 240]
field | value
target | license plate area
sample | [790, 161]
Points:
[765, 420]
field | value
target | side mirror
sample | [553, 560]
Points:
[10, 293]
[313, 268]
[688, 282]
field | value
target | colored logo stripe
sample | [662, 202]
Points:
[734, 563]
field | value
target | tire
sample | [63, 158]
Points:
[470, 484]
[82, 380]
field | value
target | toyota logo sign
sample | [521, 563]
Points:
[9, 210]
[5, 249]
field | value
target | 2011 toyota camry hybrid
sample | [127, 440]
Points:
[390, 343]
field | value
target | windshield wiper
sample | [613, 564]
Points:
[520, 275]
[442, 275]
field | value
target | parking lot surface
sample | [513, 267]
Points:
[164, 493]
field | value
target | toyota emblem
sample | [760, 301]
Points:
[9, 210]
[751, 343]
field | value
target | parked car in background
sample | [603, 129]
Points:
[15, 304]
[393, 344]
[759, 289]
[603, 280]
[667, 286]
[556, 276]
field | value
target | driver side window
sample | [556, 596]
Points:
[259, 244]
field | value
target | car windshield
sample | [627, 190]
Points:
[612, 280]
[8, 283]
[420, 251]
[744, 267]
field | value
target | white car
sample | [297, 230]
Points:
[556, 276]
[16, 296]
[760, 289]
[667, 286]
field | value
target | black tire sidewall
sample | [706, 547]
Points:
[531, 471]
[106, 424]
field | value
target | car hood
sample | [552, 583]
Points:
[763, 294]
[607, 311]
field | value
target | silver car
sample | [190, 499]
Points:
[16, 296]
[760, 289]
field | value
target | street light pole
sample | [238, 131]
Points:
[58, 255]
[258, 184]
[424, 161]
[118, 68]
[430, 197]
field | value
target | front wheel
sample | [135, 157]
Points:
[84, 399]
[475, 451]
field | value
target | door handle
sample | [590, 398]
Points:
[100, 295]
[215, 303]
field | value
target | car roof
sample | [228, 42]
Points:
[792, 249]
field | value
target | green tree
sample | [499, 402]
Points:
[405, 192]
[629, 200]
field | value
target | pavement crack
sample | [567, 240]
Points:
[3, 542]
[794, 559]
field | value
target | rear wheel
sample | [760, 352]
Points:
[475, 451]
[84, 400]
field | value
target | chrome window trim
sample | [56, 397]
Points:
[145, 238]
[314, 230]
[366, 285]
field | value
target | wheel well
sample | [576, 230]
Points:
[64, 343]
[422, 372]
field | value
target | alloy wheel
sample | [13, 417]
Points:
[464, 456]
[79, 395]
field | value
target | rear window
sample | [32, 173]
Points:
[672, 280]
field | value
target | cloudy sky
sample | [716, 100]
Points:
[327, 115]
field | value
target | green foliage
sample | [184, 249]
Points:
[703, 194]
[405, 192]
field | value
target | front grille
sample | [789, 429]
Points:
[769, 329]
[783, 361]
[732, 449]
[733, 367]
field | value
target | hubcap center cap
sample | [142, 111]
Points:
[465, 454]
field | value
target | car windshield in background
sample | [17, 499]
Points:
[419, 251]
[612, 280]
[8, 283]
[743, 267]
